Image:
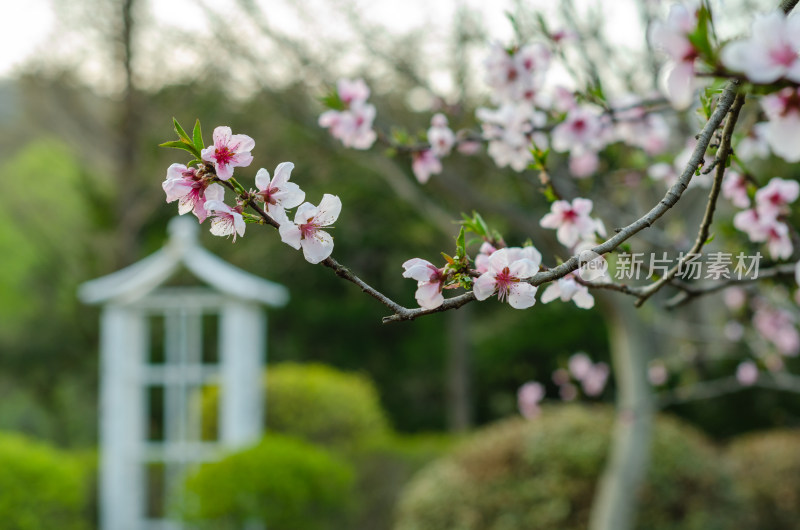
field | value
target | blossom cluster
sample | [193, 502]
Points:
[198, 189]
[764, 222]
[352, 123]
[772, 53]
[581, 372]
[427, 162]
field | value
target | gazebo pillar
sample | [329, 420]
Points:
[122, 349]
[243, 335]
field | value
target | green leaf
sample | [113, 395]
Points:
[332, 101]
[448, 259]
[710, 239]
[461, 250]
[181, 145]
[197, 134]
[180, 132]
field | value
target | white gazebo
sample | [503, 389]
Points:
[162, 345]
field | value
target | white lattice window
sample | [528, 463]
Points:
[161, 347]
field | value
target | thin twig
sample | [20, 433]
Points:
[690, 292]
[708, 217]
[727, 385]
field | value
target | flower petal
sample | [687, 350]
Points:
[282, 174]
[484, 286]
[317, 248]
[290, 234]
[429, 296]
[552, 292]
[329, 209]
[521, 295]
[262, 179]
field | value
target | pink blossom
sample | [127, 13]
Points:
[352, 92]
[773, 199]
[779, 243]
[755, 225]
[657, 373]
[747, 373]
[778, 326]
[649, 132]
[306, 230]
[278, 193]
[440, 136]
[563, 100]
[771, 52]
[227, 220]
[583, 127]
[765, 228]
[509, 129]
[568, 289]
[734, 188]
[429, 282]
[580, 365]
[506, 278]
[482, 259]
[595, 381]
[672, 36]
[182, 184]
[528, 397]
[229, 151]
[755, 144]
[783, 128]
[571, 220]
[583, 164]
[468, 147]
[353, 127]
[516, 75]
[424, 164]
[734, 298]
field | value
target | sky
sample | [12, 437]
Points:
[28, 24]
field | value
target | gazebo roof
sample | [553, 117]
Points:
[181, 250]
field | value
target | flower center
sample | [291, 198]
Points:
[504, 281]
[267, 195]
[570, 216]
[784, 56]
[308, 229]
[791, 102]
[223, 155]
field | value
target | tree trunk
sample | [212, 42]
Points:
[616, 498]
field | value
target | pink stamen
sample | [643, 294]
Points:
[223, 155]
[784, 55]
[308, 229]
[503, 281]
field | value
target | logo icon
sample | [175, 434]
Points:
[591, 266]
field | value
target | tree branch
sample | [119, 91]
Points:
[727, 385]
[708, 217]
[690, 292]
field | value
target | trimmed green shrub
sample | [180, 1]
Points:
[542, 474]
[384, 467]
[767, 470]
[315, 402]
[282, 482]
[42, 487]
